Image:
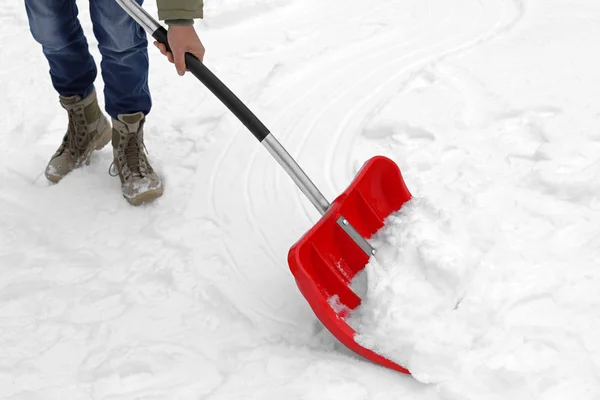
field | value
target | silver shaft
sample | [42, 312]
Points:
[311, 191]
[140, 15]
[296, 173]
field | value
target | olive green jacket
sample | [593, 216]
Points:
[179, 9]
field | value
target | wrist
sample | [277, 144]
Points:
[179, 22]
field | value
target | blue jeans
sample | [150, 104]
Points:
[121, 41]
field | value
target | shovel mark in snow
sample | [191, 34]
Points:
[401, 132]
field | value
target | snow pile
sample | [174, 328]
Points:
[480, 323]
[413, 311]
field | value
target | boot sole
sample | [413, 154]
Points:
[53, 178]
[145, 197]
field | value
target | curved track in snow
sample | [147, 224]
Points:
[316, 104]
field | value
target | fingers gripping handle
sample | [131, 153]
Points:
[200, 71]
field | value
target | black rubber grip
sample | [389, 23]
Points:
[200, 71]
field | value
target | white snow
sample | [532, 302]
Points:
[487, 285]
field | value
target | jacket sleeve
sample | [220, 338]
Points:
[180, 9]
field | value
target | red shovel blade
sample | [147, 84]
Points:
[325, 260]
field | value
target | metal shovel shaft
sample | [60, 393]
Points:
[235, 105]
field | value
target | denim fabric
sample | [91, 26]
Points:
[122, 43]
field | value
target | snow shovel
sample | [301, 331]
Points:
[325, 260]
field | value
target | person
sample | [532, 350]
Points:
[123, 44]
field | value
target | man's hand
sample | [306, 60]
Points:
[182, 39]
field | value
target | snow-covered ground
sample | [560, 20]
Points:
[486, 285]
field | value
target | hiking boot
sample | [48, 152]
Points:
[139, 182]
[88, 130]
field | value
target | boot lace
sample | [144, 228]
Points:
[75, 139]
[132, 156]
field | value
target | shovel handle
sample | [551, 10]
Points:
[235, 105]
[218, 88]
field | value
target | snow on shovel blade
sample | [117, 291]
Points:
[325, 259]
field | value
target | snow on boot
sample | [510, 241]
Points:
[139, 182]
[88, 130]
